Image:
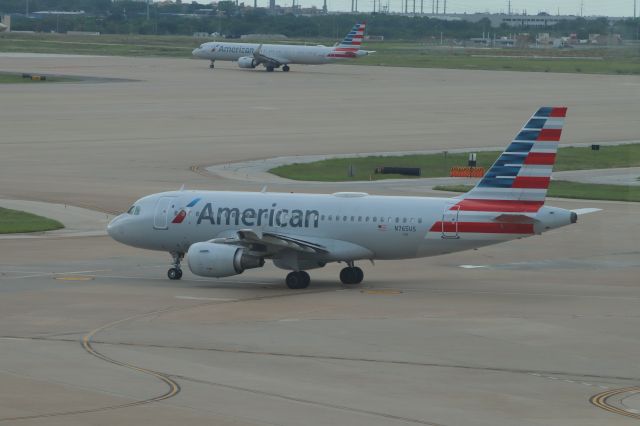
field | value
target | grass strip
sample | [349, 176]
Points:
[439, 165]
[15, 221]
[565, 189]
[618, 60]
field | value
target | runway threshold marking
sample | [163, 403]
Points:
[601, 400]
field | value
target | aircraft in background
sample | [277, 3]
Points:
[273, 56]
[225, 233]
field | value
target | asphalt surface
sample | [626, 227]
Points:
[540, 331]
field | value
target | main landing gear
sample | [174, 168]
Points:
[175, 273]
[212, 64]
[351, 274]
[298, 279]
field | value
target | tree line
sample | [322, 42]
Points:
[230, 20]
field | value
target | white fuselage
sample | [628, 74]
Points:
[284, 53]
[350, 226]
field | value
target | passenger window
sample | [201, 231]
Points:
[375, 219]
[382, 219]
[322, 217]
[404, 220]
[412, 220]
[330, 217]
[366, 219]
[419, 220]
[344, 218]
[353, 218]
[397, 220]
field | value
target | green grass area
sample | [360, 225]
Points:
[615, 60]
[14, 221]
[439, 165]
[109, 45]
[588, 61]
[17, 78]
[564, 189]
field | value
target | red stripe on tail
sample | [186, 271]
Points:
[483, 227]
[549, 135]
[506, 206]
[558, 112]
[535, 182]
[540, 158]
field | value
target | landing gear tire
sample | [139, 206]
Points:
[269, 69]
[298, 280]
[174, 273]
[211, 65]
[351, 275]
[286, 68]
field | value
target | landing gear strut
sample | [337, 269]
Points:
[211, 65]
[175, 273]
[298, 279]
[351, 274]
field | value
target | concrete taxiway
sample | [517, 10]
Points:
[541, 331]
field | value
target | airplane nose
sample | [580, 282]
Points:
[195, 51]
[115, 228]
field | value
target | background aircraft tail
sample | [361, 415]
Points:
[519, 179]
[352, 42]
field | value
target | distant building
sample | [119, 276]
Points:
[5, 23]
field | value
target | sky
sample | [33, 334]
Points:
[566, 7]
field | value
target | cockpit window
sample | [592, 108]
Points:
[134, 210]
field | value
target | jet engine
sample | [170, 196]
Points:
[220, 260]
[247, 62]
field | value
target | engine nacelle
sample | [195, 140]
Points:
[247, 62]
[220, 260]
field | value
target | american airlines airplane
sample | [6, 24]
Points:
[225, 233]
[273, 56]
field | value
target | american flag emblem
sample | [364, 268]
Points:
[382, 227]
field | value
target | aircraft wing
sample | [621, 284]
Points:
[271, 242]
[272, 60]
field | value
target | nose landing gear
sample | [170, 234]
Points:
[175, 273]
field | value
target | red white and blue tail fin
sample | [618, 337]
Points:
[519, 179]
[353, 40]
